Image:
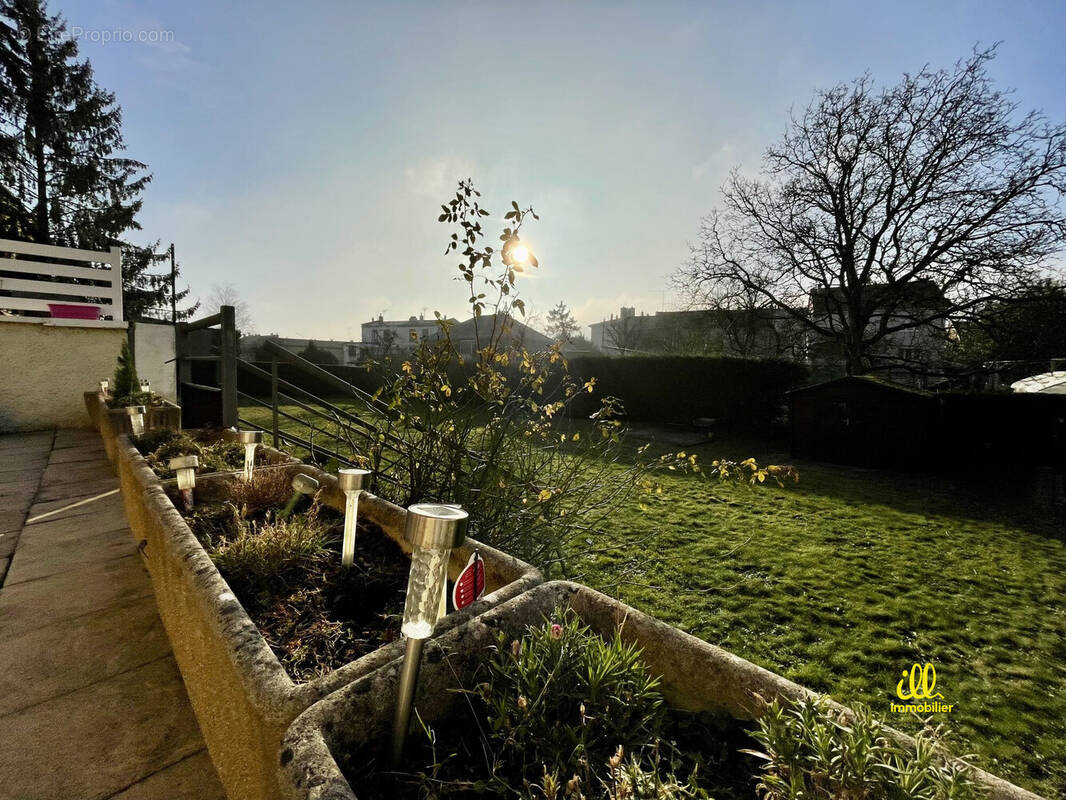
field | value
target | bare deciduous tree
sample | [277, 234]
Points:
[934, 186]
[227, 294]
[626, 333]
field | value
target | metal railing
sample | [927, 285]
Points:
[327, 430]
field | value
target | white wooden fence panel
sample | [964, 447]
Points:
[51, 251]
[106, 294]
[63, 270]
[56, 288]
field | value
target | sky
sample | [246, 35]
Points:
[301, 151]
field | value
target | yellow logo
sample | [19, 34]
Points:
[921, 680]
[919, 683]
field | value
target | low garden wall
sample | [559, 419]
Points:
[112, 422]
[353, 725]
[40, 359]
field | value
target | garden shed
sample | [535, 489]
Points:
[862, 421]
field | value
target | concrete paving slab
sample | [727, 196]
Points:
[73, 455]
[91, 702]
[97, 741]
[75, 472]
[17, 470]
[10, 447]
[193, 778]
[76, 437]
[27, 606]
[105, 507]
[17, 495]
[11, 520]
[63, 529]
[63, 490]
[39, 557]
[18, 440]
[7, 543]
[12, 465]
[27, 477]
[74, 653]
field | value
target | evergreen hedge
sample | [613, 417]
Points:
[736, 392]
[677, 389]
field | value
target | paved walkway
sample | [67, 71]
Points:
[91, 702]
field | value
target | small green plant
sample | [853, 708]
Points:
[125, 381]
[268, 488]
[813, 752]
[158, 447]
[562, 694]
[262, 559]
[557, 709]
[620, 779]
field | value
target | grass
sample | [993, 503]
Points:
[843, 581]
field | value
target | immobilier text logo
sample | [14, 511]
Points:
[919, 683]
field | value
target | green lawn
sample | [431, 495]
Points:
[846, 579]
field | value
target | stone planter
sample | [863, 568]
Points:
[112, 422]
[354, 724]
[242, 695]
[92, 405]
[134, 474]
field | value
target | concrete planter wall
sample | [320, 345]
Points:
[242, 696]
[92, 405]
[113, 422]
[354, 724]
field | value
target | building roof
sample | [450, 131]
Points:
[485, 324]
[1045, 383]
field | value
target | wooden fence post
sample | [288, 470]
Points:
[274, 397]
[228, 367]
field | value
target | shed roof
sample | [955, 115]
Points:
[1045, 383]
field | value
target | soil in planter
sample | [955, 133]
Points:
[215, 453]
[315, 614]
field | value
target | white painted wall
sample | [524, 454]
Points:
[154, 354]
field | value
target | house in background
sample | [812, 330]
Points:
[476, 332]
[344, 352]
[740, 333]
[908, 356]
[383, 336]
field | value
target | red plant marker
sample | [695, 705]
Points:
[470, 584]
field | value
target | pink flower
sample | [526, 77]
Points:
[557, 631]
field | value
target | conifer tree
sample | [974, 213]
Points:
[146, 293]
[65, 181]
[561, 323]
[126, 383]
